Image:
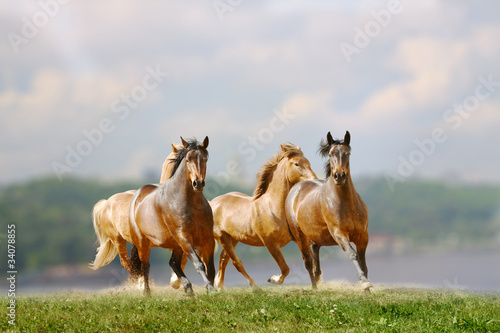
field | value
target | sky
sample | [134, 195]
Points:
[102, 88]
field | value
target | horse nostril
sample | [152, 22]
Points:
[203, 183]
[342, 174]
[195, 183]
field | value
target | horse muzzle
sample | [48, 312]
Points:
[198, 185]
[340, 177]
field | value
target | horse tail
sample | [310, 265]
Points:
[106, 251]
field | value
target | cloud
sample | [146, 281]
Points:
[228, 76]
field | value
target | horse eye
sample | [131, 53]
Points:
[296, 164]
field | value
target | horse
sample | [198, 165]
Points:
[330, 212]
[177, 216]
[111, 225]
[259, 220]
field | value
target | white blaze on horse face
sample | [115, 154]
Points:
[196, 167]
[339, 159]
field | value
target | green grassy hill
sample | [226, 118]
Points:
[281, 309]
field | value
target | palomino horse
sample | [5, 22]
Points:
[111, 225]
[260, 220]
[177, 216]
[331, 212]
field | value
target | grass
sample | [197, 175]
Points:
[334, 306]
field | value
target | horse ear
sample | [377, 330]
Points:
[184, 143]
[329, 139]
[347, 138]
[174, 149]
[298, 147]
[282, 148]
[205, 143]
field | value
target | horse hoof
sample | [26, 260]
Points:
[275, 279]
[175, 284]
[367, 285]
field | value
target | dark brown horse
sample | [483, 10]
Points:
[177, 216]
[325, 213]
[259, 220]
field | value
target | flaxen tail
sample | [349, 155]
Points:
[106, 251]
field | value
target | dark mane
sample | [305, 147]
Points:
[193, 144]
[324, 151]
[266, 171]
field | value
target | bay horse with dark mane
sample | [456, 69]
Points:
[177, 216]
[259, 220]
[330, 212]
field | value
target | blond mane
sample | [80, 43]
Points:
[266, 171]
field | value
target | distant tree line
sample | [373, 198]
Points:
[54, 223]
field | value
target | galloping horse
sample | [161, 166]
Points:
[331, 212]
[111, 225]
[177, 216]
[260, 220]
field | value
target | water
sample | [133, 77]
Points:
[478, 271]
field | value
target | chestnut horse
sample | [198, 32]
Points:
[111, 225]
[177, 216]
[330, 212]
[260, 220]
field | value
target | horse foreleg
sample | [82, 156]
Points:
[275, 251]
[174, 279]
[316, 264]
[176, 265]
[305, 249]
[135, 264]
[355, 259]
[207, 255]
[223, 261]
[199, 266]
[228, 244]
[144, 251]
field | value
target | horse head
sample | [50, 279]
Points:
[196, 163]
[298, 167]
[339, 152]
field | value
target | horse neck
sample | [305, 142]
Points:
[346, 192]
[279, 186]
[180, 182]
